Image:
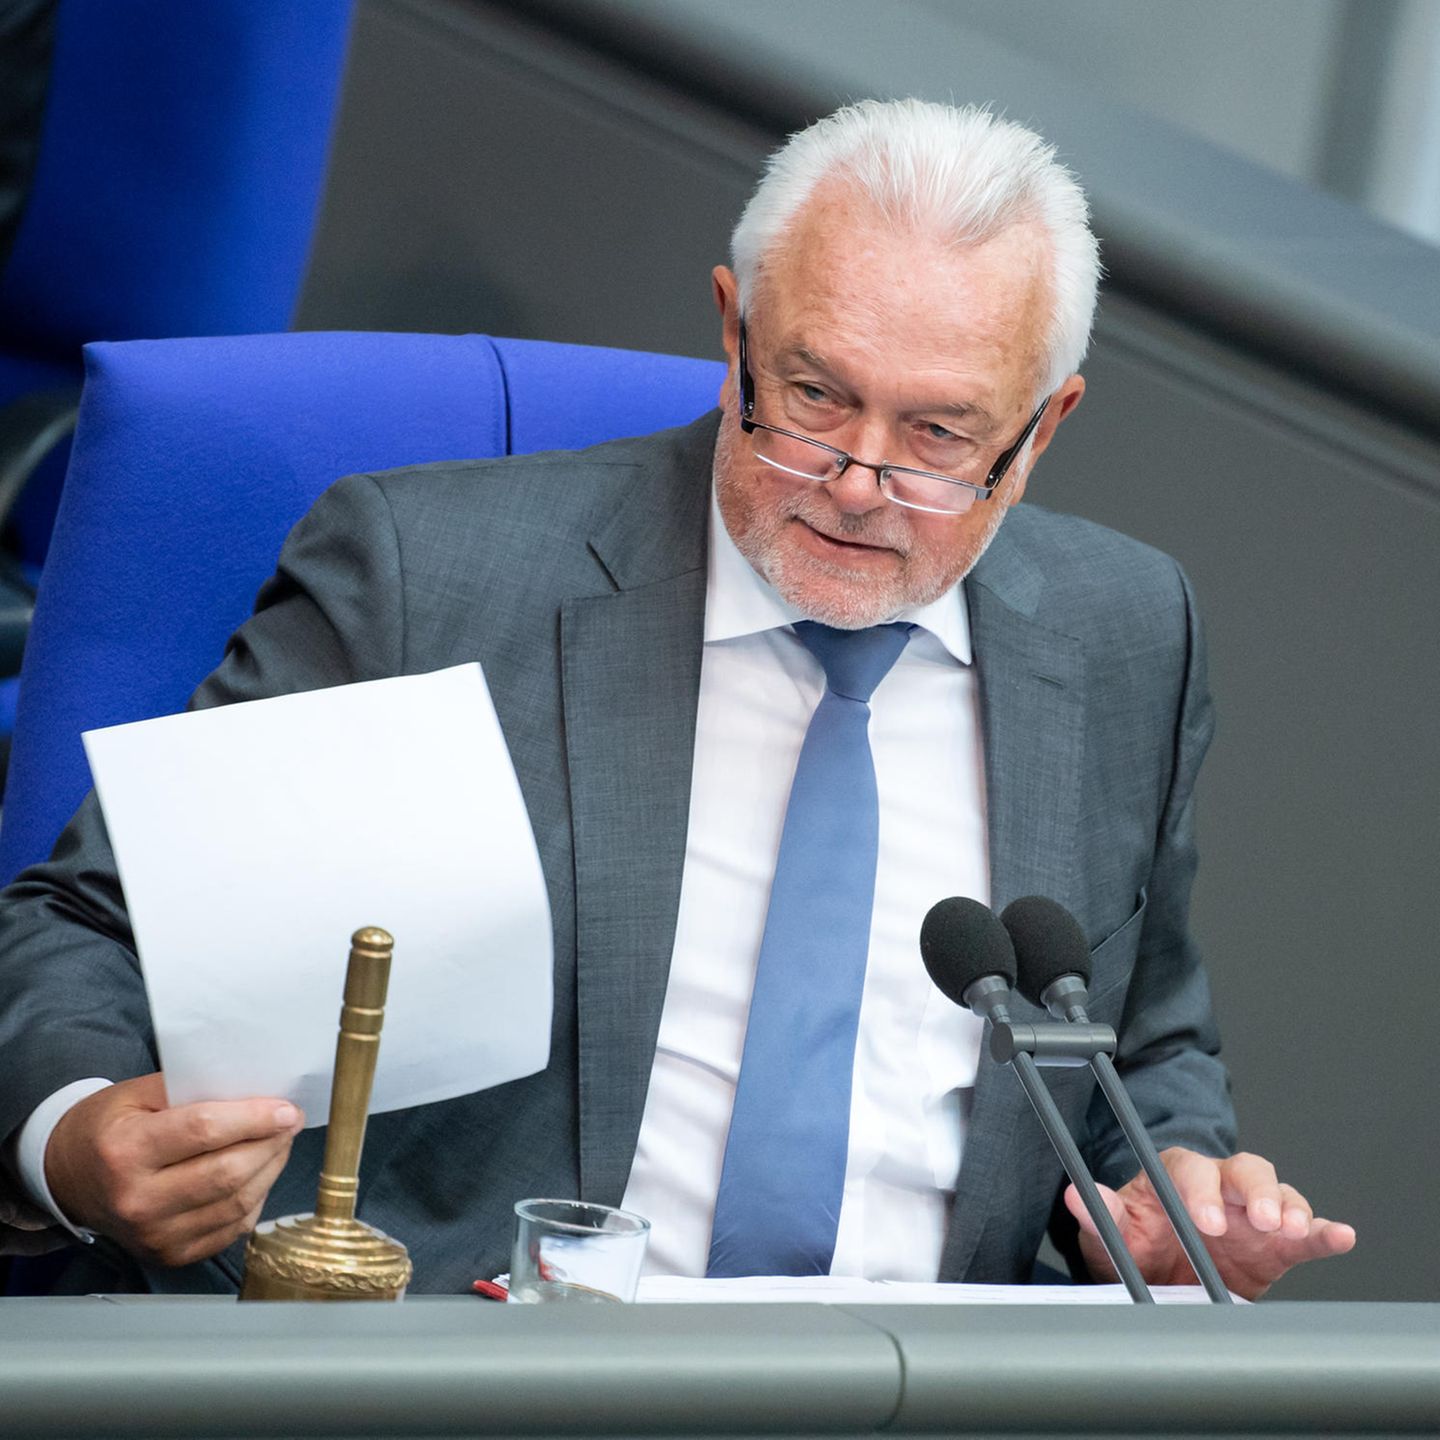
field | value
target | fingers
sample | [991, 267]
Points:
[1197, 1181]
[1250, 1182]
[1097, 1260]
[1245, 1182]
[150, 1167]
[1296, 1215]
[225, 1178]
[188, 1130]
[1322, 1239]
[1255, 1266]
[1113, 1203]
[1256, 1227]
[199, 1231]
[170, 1184]
[170, 1222]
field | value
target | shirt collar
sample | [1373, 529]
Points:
[740, 601]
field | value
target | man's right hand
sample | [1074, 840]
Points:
[172, 1184]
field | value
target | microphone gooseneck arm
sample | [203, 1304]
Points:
[987, 998]
[1065, 998]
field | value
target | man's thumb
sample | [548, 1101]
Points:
[1113, 1203]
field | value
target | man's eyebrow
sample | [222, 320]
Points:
[961, 410]
[806, 357]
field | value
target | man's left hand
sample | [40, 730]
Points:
[1255, 1227]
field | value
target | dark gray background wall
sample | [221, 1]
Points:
[530, 169]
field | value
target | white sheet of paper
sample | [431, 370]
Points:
[252, 840]
[845, 1290]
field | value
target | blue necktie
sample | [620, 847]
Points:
[780, 1189]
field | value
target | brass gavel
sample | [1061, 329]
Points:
[331, 1255]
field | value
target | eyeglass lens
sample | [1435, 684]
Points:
[813, 461]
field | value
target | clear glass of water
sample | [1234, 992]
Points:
[570, 1251]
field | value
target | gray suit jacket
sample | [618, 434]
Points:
[579, 582]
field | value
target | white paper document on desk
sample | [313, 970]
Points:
[845, 1290]
[252, 840]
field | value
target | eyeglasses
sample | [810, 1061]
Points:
[811, 459]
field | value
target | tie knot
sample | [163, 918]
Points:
[855, 661]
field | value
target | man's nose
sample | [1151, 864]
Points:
[856, 489]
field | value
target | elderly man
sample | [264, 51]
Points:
[761, 725]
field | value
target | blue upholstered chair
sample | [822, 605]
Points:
[192, 460]
[178, 174]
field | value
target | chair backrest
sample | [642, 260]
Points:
[179, 171]
[192, 460]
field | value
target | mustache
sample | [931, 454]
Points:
[885, 527]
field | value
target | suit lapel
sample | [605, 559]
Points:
[1032, 681]
[631, 675]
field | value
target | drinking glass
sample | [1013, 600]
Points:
[568, 1251]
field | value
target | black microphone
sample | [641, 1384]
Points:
[1052, 960]
[1052, 956]
[970, 957]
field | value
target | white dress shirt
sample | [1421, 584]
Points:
[916, 1054]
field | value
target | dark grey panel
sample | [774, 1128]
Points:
[488, 179]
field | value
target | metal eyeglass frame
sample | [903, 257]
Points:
[845, 460]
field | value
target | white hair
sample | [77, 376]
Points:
[961, 173]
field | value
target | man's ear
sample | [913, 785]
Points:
[1065, 398]
[726, 290]
[1062, 403]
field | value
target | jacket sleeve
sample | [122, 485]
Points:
[1169, 1044]
[72, 997]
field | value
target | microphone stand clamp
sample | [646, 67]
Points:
[1051, 1044]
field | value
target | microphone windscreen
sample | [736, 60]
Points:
[1048, 943]
[960, 941]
